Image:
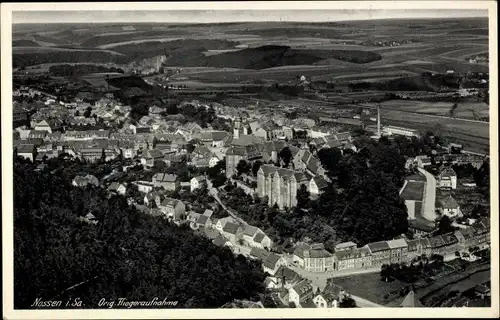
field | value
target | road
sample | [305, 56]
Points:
[214, 193]
[429, 196]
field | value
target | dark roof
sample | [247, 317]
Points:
[259, 237]
[259, 253]
[378, 246]
[320, 182]
[165, 177]
[219, 240]
[482, 288]
[271, 260]
[413, 190]
[26, 148]
[202, 219]
[411, 301]
[448, 202]
[421, 224]
[231, 228]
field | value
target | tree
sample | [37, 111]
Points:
[329, 158]
[303, 197]
[347, 302]
[87, 112]
[127, 253]
[77, 113]
[243, 167]
[444, 225]
[286, 156]
[256, 166]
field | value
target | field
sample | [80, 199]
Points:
[433, 47]
[369, 286]
[463, 109]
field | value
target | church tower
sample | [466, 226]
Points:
[236, 128]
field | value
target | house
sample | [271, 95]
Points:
[198, 182]
[203, 221]
[272, 262]
[222, 242]
[144, 186]
[423, 161]
[345, 246]
[421, 227]
[381, 253]
[43, 126]
[317, 185]
[154, 197]
[37, 134]
[117, 188]
[412, 193]
[352, 258]
[91, 154]
[313, 258]
[23, 132]
[399, 250]
[449, 206]
[231, 231]
[261, 240]
[330, 296]
[173, 208]
[447, 179]
[82, 181]
[419, 247]
[89, 218]
[285, 277]
[26, 151]
[300, 293]
[219, 224]
[167, 181]
[393, 130]
[258, 253]
[482, 291]
[151, 156]
[411, 301]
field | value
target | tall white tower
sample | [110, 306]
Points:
[379, 134]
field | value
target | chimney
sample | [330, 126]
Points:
[378, 121]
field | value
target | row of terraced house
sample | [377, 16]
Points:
[348, 256]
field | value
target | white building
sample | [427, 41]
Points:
[393, 130]
[447, 179]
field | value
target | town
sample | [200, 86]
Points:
[330, 160]
[216, 168]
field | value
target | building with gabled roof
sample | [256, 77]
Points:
[411, 301]
[380, 251]
[173, 208]
[449, 206]
[167, 181]
[447, 179]
[300, 293]
[272, 262]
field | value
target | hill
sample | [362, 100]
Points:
[24, 43]
[126, 254]
[272, 56]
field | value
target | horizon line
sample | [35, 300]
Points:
[250, 21]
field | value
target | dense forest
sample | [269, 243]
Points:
[126, 254]
[67, 70]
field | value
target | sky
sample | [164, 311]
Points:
[213, 16]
